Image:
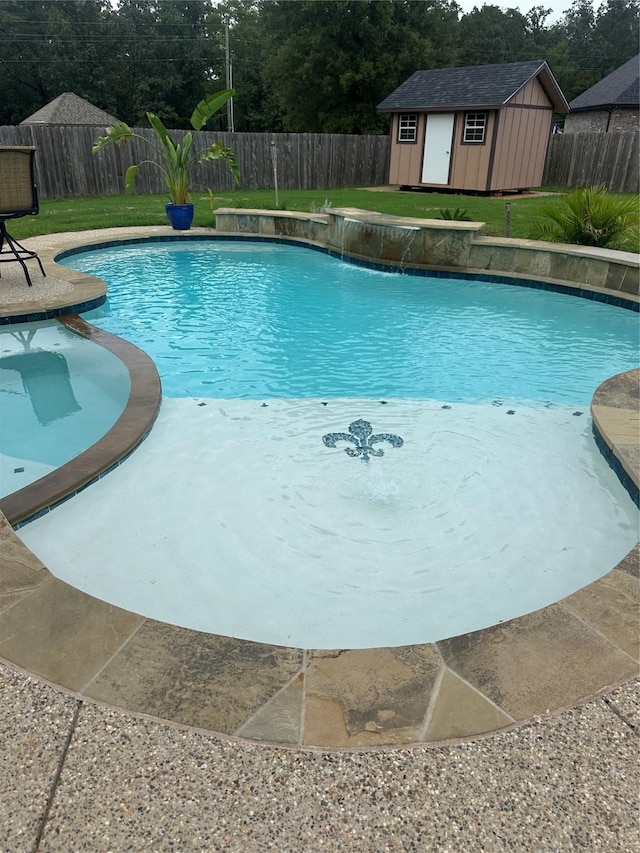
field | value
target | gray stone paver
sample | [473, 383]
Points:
[567, 783]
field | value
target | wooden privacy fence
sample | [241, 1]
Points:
[66, 166]
[589, 159]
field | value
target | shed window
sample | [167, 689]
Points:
[475, 126]
[407, 127]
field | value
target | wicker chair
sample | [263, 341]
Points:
[18, 197]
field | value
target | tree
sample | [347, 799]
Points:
[536, 16]
[330, 63]
[437, 21]
[596, 42]
[492, 35]
[255, 109]
[50, 48]
[301, 65]
[165, 57]
[578, 26]
[615, 34]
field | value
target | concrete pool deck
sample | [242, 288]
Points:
[527, 669]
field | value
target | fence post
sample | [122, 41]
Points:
[274, 160]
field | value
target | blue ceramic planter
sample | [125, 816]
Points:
[180, 216]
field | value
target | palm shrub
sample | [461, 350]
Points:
[459, 214]
[175, 159]
[590, 216]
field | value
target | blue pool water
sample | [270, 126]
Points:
[59, 393]
[259, 320]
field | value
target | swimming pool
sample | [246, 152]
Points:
[235, 516]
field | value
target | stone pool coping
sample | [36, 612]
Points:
[114, 447]
[456, 688]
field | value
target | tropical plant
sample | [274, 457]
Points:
[590, 216]
[460, 214]
[175, 159]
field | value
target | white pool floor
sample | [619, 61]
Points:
[234, 518]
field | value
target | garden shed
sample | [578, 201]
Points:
[610, 106]
[481, 128]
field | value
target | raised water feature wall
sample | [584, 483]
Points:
[444, 245]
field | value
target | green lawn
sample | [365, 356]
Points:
[78, 214]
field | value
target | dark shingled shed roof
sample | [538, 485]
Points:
[69, 109]
[621, 88]
[472, 87]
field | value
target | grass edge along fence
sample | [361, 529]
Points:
[66, 167]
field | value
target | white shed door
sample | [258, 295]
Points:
[437, 148]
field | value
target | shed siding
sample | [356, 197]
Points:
[470, 164]
[532, 95]
[523, 136]
[521, 148]
[405, 166]
[405, 159]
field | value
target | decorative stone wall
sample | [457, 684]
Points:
[580, 266]
[401, 240]
[444, 245]
[271, 223]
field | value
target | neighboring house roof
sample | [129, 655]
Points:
[473, 86]
[70, 109]
[621, 88]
